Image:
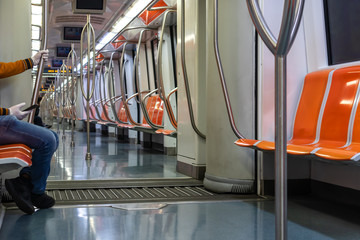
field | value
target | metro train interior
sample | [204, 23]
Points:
[188, 119]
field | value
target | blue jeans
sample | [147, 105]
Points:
[43, 141]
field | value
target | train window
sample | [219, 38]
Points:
[342, 22]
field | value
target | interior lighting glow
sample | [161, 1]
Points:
[35, 32]
[36, 20]
[104, 40]
[136, 8]
[36, 10]
[35, 45]
[35, 1]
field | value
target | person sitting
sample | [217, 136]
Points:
[28, 189]
[37, 119]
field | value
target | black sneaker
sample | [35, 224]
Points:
[42, 200]
[20, 190]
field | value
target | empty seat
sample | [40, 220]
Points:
[326, 117]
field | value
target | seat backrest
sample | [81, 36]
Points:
[355, 133]
[105, 113]
[154, 107]
[122, 113]
[339, 105]
[311, 100]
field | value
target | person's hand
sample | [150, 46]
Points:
[15, 110]
[41, 54]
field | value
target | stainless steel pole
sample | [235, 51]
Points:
[40, 70]
[90, 48]
[292, 12]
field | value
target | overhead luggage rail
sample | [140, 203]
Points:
[185, 76]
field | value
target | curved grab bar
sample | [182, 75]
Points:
[159, 78]
[130, 29]
[222, 76]
[101, 79]
[136, 74]
[115, 99]
[73, 89]
[122, 88]
[97, 101]
[168, 99]
[111, 86]
[146, 116]
[186, 81]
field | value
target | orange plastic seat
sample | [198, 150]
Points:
[327, 122]
[13, 156]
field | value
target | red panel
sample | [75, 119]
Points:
[116, 45]
[148, 16]
[99, 57]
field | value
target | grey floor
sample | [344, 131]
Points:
[309, 218]
[111, 160]
[181, 221]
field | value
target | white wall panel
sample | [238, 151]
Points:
[15, 44]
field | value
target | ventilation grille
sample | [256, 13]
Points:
[79, 19]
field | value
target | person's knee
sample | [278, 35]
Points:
[51, 140]
[56, 139]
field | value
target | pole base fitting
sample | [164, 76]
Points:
[63, 136]
[72, 144]
[88, 156]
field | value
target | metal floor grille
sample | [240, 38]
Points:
[126, 195]
[90, 192]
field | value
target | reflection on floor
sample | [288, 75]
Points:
[110, 160]
[308, 219]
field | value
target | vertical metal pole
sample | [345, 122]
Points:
[63, 72]
[280, 149]
[91, 48]
[42, 62]
[88, 153]
[57, 102]
[72, 97]
[280, 47]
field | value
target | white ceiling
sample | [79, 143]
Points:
[60, 15]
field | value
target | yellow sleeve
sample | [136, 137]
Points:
[4, 111]
[13, 68]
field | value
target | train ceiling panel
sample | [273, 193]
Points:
[61, 15]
